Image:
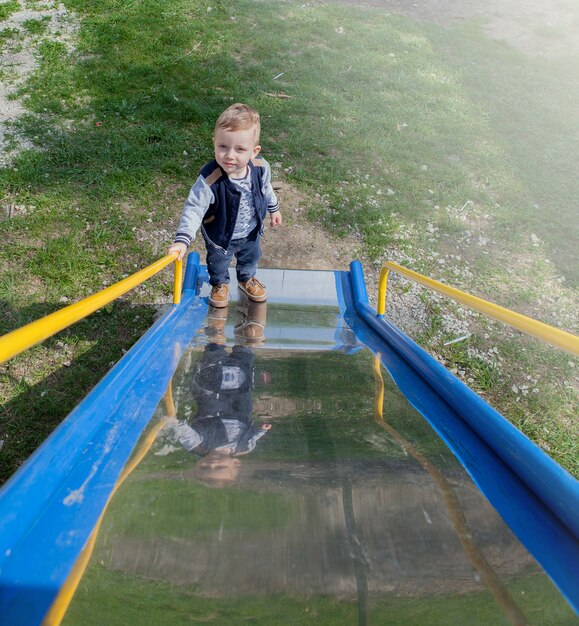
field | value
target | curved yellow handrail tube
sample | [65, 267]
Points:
[550, 334]
[178, 281]
[27, 336]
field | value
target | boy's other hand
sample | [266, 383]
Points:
[181, 248]
[275, 219]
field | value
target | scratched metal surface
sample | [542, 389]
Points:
[296, 506]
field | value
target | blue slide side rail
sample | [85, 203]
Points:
[536, 496]
[50, 507]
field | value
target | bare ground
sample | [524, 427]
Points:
[18, 61]
[302, 244]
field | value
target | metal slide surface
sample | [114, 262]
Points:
[279, 491]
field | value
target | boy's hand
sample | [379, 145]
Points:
[266, 427]
[181, 248]
[275, 219]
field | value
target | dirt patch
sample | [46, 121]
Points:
[300, 243]
[303, 244]
[19, 60]
[536, 27]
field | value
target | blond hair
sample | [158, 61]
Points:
[240, 117]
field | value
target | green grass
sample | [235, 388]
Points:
[7, 8]
[520, 376]
[530, 105]
[430, 119]
[7, 34]
[40, 388]
[123, 598]
[185, 508]
[36, 26]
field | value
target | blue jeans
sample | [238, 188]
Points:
[247, 251]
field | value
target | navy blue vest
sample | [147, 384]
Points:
[219, 220]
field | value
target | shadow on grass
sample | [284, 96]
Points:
[107, 127]
[132, 105]
[94, 345]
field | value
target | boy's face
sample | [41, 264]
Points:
[218, 468]
[233, 149]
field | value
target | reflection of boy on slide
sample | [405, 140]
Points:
[223, 427]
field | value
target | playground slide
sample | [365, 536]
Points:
[300, 461]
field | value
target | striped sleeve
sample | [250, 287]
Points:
[269, 193]
[196, 205]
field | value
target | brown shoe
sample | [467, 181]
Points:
[216, 321]
[252, 317]
[219, 296]
[254, 289]
[251, 332]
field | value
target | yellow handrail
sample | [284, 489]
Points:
[178, 281]
[27, 336]
[550, 334]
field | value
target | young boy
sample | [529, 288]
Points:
[230, 201]
[222, 428]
